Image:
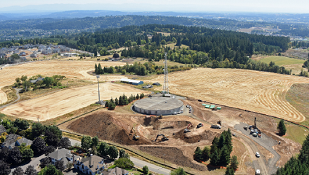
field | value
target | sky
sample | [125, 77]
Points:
[272, 6]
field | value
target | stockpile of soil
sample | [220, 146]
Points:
[106, 127]
[191, 138]
[172, 154]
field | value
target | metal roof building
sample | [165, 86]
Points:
[134, 82]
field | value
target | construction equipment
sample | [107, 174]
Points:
[199, 125]
[135, 136]
[187, 129]
[164, 138]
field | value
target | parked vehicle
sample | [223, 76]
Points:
[257, 154]
[216, 126]
[257, 172]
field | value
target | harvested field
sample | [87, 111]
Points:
[70, 69]
[65, 101]
[298, 96]
[257, 91]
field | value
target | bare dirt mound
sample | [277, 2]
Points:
[193, 137]
[106, 127]
[172, 154]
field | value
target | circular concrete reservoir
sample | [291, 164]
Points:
[158, 106]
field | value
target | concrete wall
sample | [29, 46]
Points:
[157, 112]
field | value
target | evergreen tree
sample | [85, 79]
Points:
[229, 171]
[205, 154]
[225, 156]
[137, 96]
[281, 127]
[113, 152]
[122, 153]
[106, 104]
[95, 69]
[198, 154]
[214, 146]
[215, 159]
[234, 163]
[221, 140]
[178, 171]
[116, 101]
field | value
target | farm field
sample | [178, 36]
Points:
[251, 90]
[281, 60]
[65, 101]
[70, 69]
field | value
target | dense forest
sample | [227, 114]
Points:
[47, 27]
[207, 47]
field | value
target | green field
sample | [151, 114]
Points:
[296, 133]
[280, 60]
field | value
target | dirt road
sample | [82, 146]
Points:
[65, 101]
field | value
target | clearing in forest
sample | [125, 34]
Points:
[257, 91]
[281, 60]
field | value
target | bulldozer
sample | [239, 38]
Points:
[135, 136]
[164, 138]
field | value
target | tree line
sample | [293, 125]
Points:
[139, 69]
[123, 100]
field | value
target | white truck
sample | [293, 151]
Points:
[216, 126]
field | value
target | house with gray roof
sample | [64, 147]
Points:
[90, 165]
[13, 140]
[64, 155]
[2, 129]
[116, 171]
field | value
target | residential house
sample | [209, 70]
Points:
[13, 140]
[116, 171]
[36, 80]
[3, 55]
[2, 129]
[64, 155]
[34, 55]
[90, 165]
[22, 54]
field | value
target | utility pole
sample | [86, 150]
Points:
[98, 76]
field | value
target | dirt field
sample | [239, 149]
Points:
[70, 69]
[252, 90]
[65, 101]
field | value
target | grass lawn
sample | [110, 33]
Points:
[281, 60]
[172, 46]
[296, 133]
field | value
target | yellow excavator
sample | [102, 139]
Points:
[164, 138]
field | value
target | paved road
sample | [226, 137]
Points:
[34, 162]
[265, 142]
[140, 163]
